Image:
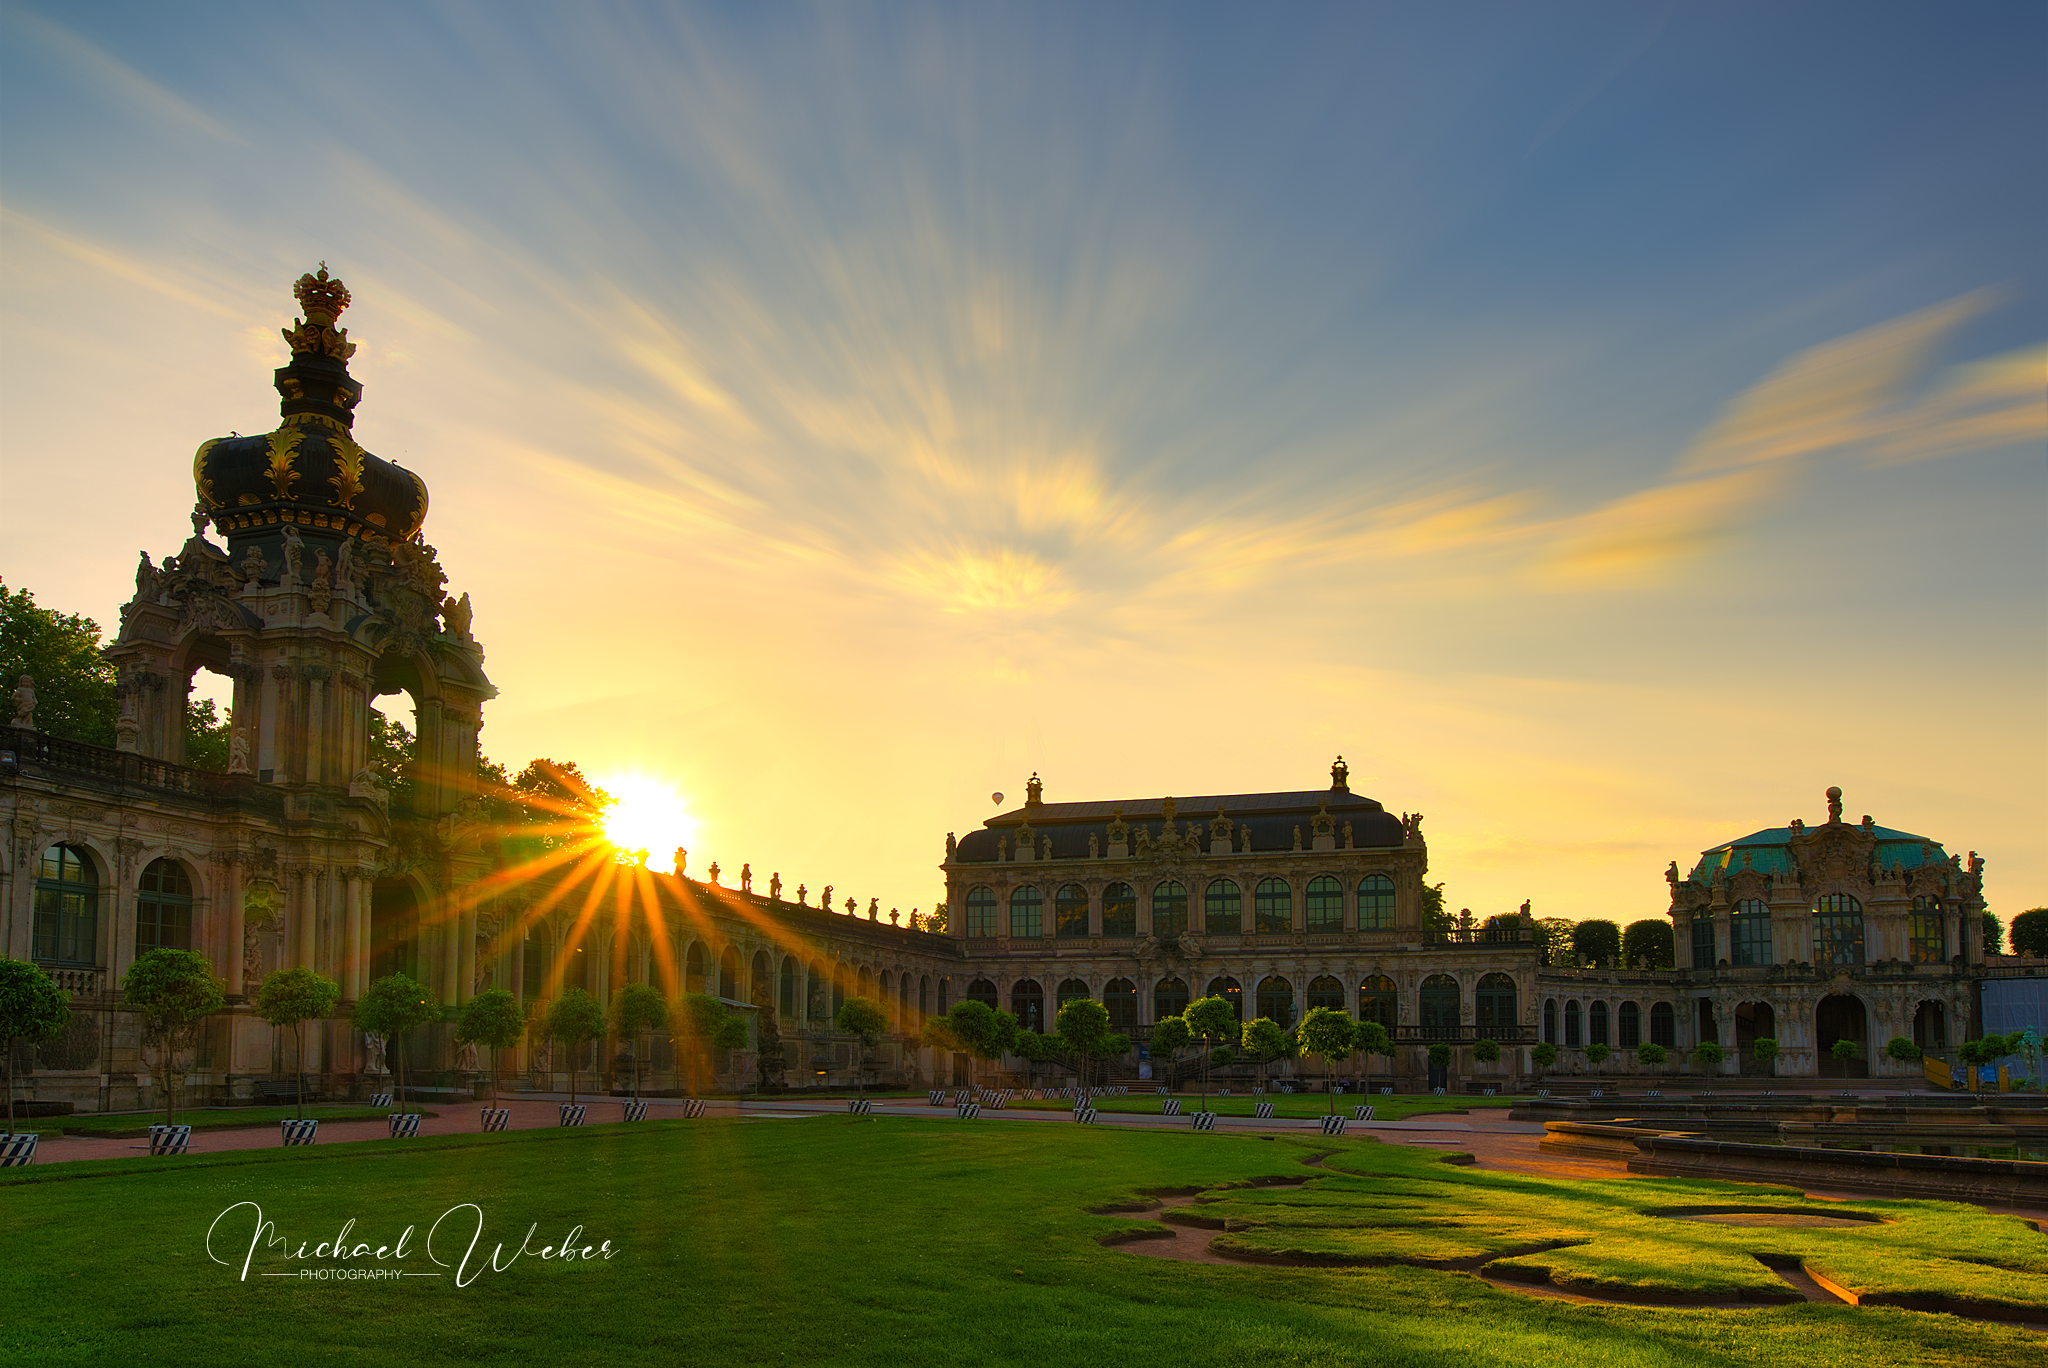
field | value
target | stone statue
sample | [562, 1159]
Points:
[682, 861]
[1671, 874]
[775, 885]
[456, 614]
[892, 916]
[874, 909]
[345, 569]
[714, 871]
[1094, 846]
[803, 896]
[255, 567]
[825, 898]
[294, 555]
[951, 845]
[201, 519]
[25, 703]
[238, 750]
[146, 578]
[373, 1053]
[1297, 837]
[465, 1056]
[746, 878]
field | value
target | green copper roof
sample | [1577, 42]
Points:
[1769, 852]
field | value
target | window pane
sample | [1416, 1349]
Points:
[1222, 908]
[1752, 933]
[1325, 904]
[1027, 914]
[1169, 910]
[1630, 1033]
[1703, 942]
[1119, 910]
[981, 911]
[1376, 903]
[1274, 904]
[1070, 910]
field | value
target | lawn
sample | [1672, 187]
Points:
[119, 1125]
[849, 1240]
[1295, 1107]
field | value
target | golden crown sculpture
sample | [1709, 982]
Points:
[322, 299]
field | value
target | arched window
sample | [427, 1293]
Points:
[729, 974]
[838, 995]
[1276, 1001]
[814, 995]
[1376, 903]
[924, 995]
[1750, 929]
[1324, 992]
[67, 925]
[981, 911]
[865, 986]
[983, 991]
[1596, 1024]
[533, 963]
[1223, 908]
[1325, 900]
[1230, 992]
[163, 908]
[1837, 932]
[1663, 1025]
[906, 989]
[1378, 1000]
[1070, 911]
[1929, 944]
[758, 979]
[693, 968]
[1274, 906]
[1493, 1006]
[1628, 1026]
[1439, 1001]
[1069, 990]
[1169, 910]
[1571, 1026]
[1119, 910]
[1930, 1026]
[1169, 998]
[1703, 941]
[945, 986]
[1027, 913]
[1120, 1000]
[1550, 1021]
[1027, 1004]
[786, 991]
[576, 968]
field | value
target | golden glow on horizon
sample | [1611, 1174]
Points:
[647, 814]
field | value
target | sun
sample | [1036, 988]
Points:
[647, 814]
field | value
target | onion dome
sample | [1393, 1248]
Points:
[309, 472]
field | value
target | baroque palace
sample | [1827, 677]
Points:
[321, 595]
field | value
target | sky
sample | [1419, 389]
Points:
[1606, 425]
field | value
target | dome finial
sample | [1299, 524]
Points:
[1834, 804]
[1340, 776]
[323, 298]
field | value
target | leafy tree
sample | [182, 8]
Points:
[1650, 1053]
[1902, 1049]
[1327, 1032]
[1543, 1055]
[293, 997]
[731, 1036]
[1709, 1053]
[206, 736]
[1434, 916]
[636, 1009]
[1597, 943]
[1842, 1051]
[1486, 1051]
[391, 753]
[2029, 934]
[61, 652]
[1440, 1055]
[491, 1018]
[1764, 1050]
[1647, 940]
[1265, 1042]
[391, 1007]
[1083, 1027]
[1371, 1038]
[1597, 1053]
[700, 1026]
[865, 1021]
[33, 1009]
[935, 922]
[1554, 939]
[1994, 934]
[174, 990]
[770, 1059]
[1212, 1021]
[575, 1018]
[1169, 1038]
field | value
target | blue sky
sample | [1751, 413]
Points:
[1606, 424]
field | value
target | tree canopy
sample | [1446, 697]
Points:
[1649, 939]
[61, 652]
[293, 997]
[1554, 939]
[2029, 933]
[33, 1009]
[1598, 943]
[173, 989]
[492, 1019]
[1212, 1019]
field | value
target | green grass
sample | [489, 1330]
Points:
[1299, 1107]
[126, 1125]
[841, 1240]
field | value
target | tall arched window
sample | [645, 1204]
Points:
[1703, 941]
[1439, 1001]
[1274, 906]
[984, 991]
[981, 911]
[1276, 1001]
[1027, 1004]
[1230, 992]
[1323, 992]
[838, 994]
[1929, 944]
[1070, 911]
[865, 986]
[694, 968]
[163, 908]
[758, 976]
[576, 967]
[814, 995]
[1223, 908]
[1027, 913]
[1069, 990]
[906, 998]
[1169, 909]
[1376, 903]
[1837, 931]
[1571, 1026]
[1378, 1000]
[1325, 900]
[1169, 998]
[1750, 929]
[67, 926]
[945, 986]
[1119, 910]
[1493, 1006]
[729, 974]
[1628, 1026]
[1596, 1024]
[1663, 1025]
[1120, 1000]
[785, 996]
[533, 963]
[924, 995]
[1550, 1021]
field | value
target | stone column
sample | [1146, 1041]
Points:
[229, 900]
[466, 978]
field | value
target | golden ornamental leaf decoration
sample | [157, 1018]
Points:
[283, 443]
[348, 479]
[201, 481]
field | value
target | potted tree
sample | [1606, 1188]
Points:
[1372, 1038]
[1169, 1038]
[1486, 1051]
[636, 1009]
[492, 1019]
[1265, 1042]
[1650, 1054]
[1597, 1054]
[390, 1007]
[1212, 1021]
[1709, 1054]
[293, 997]
[1543, 1055]
[1083, 1027]
[174, 990]
[33, 1009]
[865, 1022]
[575, 1019]
[1764, 1050]
[1328, 1032]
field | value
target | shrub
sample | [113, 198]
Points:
[33, 1009]
[1709, 1053]
[1842, 1051]
[2029, 932]
[1902, 1049]
[293, 997]
[1764, 1049]
[1651, 1054]
[1543, 1055]
[1440, 1055]
[173, 989]
[1486, 1051]
[491, 1019]
[1597, 1054]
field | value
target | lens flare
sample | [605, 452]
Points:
[647, 814]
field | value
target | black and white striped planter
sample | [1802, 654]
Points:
[1597, 1092]
[859, 1106]
[1659, 1092]
[18, 1151]
[1086, 1116]
[635, 1111]
[169, 1139]
[1439, 1092]
[1160, 1091]
[968, 1111]
[1361, 1113]
[1386, 1092]
[1205, 1121]
[300, 1132]
[1766, 1093]
[693, 1108]
[1263, 1111]
[572, 1114]
[497, 1118]
[937, 1097]
[406, 1127]
[1170, 1107]
[1333, 1125]
[380, 1099]
[1489, 1092]
[961, 1096]
[1543, 1092]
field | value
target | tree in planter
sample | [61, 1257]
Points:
[636, 1009]
[1440, 1056]
[698, 1027]
[293, 997]
[770, 1060]
[1212, 1021]
[1486, 1051]
[1842, 1051]
[1976, 1054]
[1651, 1054]
[1902, 1049]
[1597, 1054]
[1327, 1032]
[1543, 1055]
[1265, 1042]
[731, 1036]
[174, 990]
[390, 1007]
[1083, 1029]
[1709, 1053]
[1371, 1038]
[865, 1022]
[575, 1018]
[33, 1009]
[1764, 1050]
[980, 1031]
[1169, 1038]
[492, 1019]
[1034, 1048]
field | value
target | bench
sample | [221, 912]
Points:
[280, 1090]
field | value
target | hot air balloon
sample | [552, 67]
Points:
[996, 798]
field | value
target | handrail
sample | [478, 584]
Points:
[40, 748]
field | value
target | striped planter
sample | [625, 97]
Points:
[380, 1099]
[572, 1114]
[859, 1106]
[1766, 1093]
[1597, 1092]
[1160, 1091]
[1287, 1088]
[1170, 1107]
[406, 1127]
[497, 1118]
[1263, 1112]
[1205, 1120]
[1333, 1125]
[1086, 1116]
[635, 1111]
[1543, 1092]
[1361, 1113]
[1659, 1092]
[1436, 1092]
[1386, 1092]
[693, 1108]
[967, 1111]
[17, 1151]
[961, 1096]
[937, 1097]
[1489, 1092]
[300, 1132]
[169, 1139]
